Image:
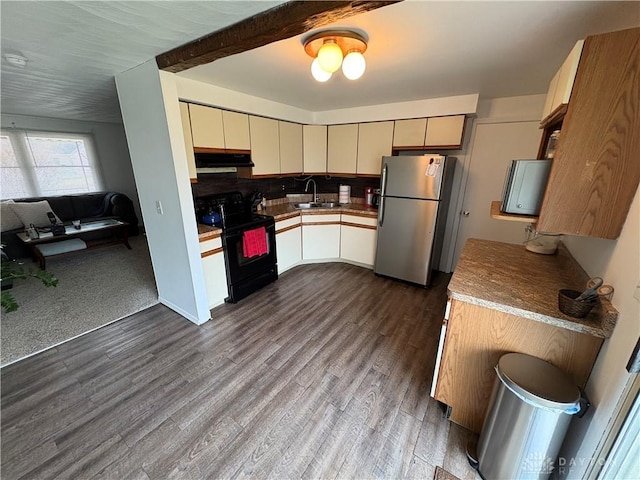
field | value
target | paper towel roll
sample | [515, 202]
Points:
[344, 194]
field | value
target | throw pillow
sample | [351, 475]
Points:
[8, 219]
[33, 212]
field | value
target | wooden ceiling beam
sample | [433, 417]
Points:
[283, 21]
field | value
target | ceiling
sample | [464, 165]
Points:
[417, 50]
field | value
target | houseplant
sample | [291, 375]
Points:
[13, 270]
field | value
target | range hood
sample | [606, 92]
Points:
[222, 162]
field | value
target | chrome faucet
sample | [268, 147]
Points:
[315, 189]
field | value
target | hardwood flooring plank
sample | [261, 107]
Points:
[431, 445]
[455, 461]
[315, 376]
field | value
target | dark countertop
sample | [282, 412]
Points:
[511, 279]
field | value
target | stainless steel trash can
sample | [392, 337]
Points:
[527, 419]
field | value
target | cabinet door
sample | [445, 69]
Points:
[551, 93]
[358, 244]
[342, 148]
[374, 142]
[595, 171]
[320, 236]
[410, 133]
[236, 130]
[567, 76]
[288, 248]
[290, 147]
[314, 143]
[188, 142]
[265, 145]
[206, 126]
[444, 132]
[215, 277]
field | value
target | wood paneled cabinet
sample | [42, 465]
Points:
[444, 133]
[218, 129]
[561, 84]
[472, 340]
[358, 237]
[342, 149]
[265, 145]
[290, 147]
[314, 144]
[374, 141]
[206, 127]
[409, 134]
[596, 171]
[188, 142]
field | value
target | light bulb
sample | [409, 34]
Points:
[330, 56]
[353, 65]
[318, 73]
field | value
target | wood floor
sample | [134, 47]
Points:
[323, 374]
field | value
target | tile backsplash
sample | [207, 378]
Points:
[275, 188]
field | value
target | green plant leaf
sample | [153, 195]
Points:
[9, 303]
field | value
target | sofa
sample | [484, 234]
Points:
[85, 207]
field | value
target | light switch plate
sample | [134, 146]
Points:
[159, 207]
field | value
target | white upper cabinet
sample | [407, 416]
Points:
[236, 130]
[374, 142]
[562, 82]
[410, 133]
[206, 126]
[290, 147]
[314, 143]
[188, 142]
[342, 148]
[444, 132]
[265, 145]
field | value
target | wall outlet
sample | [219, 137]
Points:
[159, 207]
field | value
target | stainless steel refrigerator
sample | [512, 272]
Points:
[414, 199]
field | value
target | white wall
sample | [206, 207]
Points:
[618, 263]
[151, 115]
[110, 143]
[199, 92]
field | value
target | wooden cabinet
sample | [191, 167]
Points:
[215, 274]
[474, 338]
[236, 130]
[358, 239]
[265, 145]
[188, 142]
[561, 84]
[444, 132]
[320, 236]
[290, 147]
[206, 127]
[288, 243]
[314, 143]
[374, 141]
[342, 149]
[409, 134]
[595, 171]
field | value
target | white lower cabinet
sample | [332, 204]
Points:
[320, 236]
[288, 243]
[358, 239]
[215, 273]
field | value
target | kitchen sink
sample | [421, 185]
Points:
[303, 206]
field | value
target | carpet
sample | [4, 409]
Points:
[95, 288]
[442, 474]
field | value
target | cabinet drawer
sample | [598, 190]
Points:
[209, 245]
[333, 218]
[358, 220]
[289, 222]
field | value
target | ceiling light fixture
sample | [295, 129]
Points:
[331, 49]
[15, 59]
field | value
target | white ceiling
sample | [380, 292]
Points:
[417, 49]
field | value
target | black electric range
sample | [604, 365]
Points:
[231, 212]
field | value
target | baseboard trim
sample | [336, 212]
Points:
[182, 312]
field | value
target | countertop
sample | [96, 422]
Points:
[510, 279]
[286, 210]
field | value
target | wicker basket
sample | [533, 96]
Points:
[568, 305]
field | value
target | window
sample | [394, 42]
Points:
[39, 164]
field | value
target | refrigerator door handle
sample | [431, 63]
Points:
[383, 188]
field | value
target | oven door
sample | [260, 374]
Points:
[248, 274]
